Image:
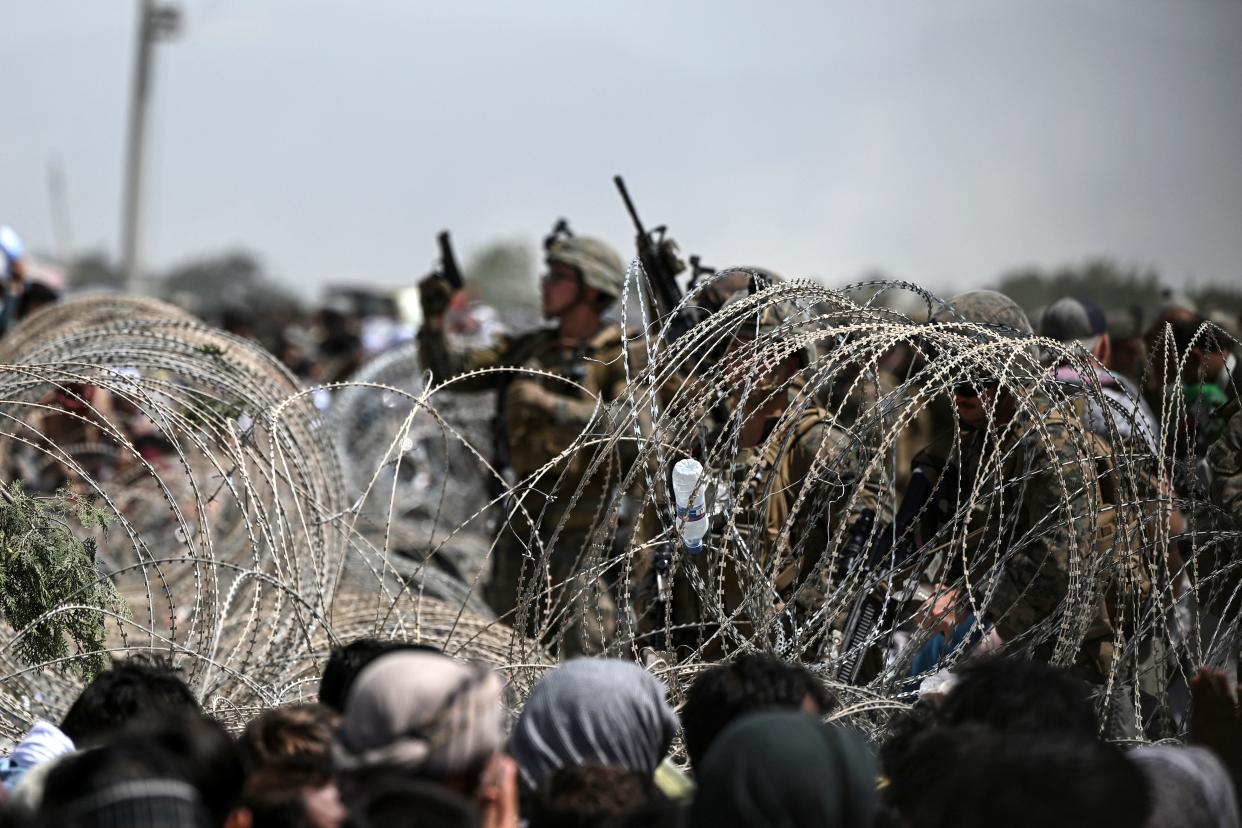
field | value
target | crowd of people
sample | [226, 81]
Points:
[405, 735]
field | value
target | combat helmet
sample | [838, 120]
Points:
[1001, 316]
[599, 264]
[985, 307]
[751, 315]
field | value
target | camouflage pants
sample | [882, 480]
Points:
[546, 594]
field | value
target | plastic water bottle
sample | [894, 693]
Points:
[690, 498]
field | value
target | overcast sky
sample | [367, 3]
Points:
[942, 142]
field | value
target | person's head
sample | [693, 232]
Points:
[585, 796]
[395, 801]
[421, 715]
[1169, 337]
[135, 689]
[12, 253]
[346, 662]
[593, 710]
[127, 782]
[1127, 350]
[751, 317]
[978, 398]
[296, 731]
[582, 272]
[207, 757]
[785, 768]
[750, 683]
[190, 752]
[1014, 695]
[1203, 347]
[238, 320]
[974, 777]
[296, 793]
[34, 296]
[1190, 787]
[1078, 321]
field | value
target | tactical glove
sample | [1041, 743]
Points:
[434, 294]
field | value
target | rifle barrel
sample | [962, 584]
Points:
[629, 205]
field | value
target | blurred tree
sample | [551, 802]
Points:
[1109, 284]
[1217, 298]
[230, 284]
[94, 270]
[503, 275]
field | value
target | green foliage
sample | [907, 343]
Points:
[503, 276]
[94, 270]
[43, 565]
[212, 285]
[1217, 297]
[1110, 285]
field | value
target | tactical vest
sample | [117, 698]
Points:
[531, 439]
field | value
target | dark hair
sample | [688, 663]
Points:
[346, 662]
[207, 758]
[236, 318]
[76, 790]
[659, 812]
[1018, 695]
[296, 731]
[34, 296]
[584, 796]
[972, 777]
[187, 748]
[274, 795]
[750, 683]
[134, 689]
[394, 800]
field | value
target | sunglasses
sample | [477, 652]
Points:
[972, 390]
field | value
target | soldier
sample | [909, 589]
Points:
[1017, 505]
[1225, 461]
[1079, 321]
[798, 480]
[537, 420]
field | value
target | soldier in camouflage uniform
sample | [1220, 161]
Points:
[543, 550]
[1225, 461]
[1036, 511]
[799, 480]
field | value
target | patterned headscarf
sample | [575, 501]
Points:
[422, 713]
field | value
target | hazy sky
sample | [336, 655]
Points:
[942, 141]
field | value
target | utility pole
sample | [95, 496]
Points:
[155, 22]
[58, 203]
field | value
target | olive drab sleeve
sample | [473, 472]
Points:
[1052, 552]
[1225, 460]
[436, 354]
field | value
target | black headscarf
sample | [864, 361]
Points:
[786, 770]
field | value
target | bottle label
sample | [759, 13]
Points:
[692, 513]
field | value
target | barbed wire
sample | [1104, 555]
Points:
[250, 532]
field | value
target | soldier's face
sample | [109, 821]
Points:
[973, 403]
[561, 288]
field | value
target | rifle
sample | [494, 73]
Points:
[448, 262]
[660, 261]
[662, 569]
[869, 609]
[560, 230]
